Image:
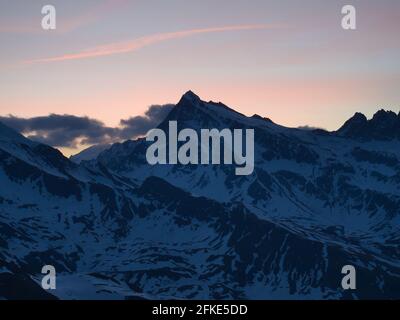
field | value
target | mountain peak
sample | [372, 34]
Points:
[356, 125]
[358, 117]
[191, 96]
[384, 125]
[189, 99]
[385, 117]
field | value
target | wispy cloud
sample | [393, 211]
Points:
[139, 43]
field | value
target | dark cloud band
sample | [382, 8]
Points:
[70, 131]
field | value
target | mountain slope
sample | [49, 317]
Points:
[89, 153]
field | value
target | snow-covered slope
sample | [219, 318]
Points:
[117, 227]
[89, 153]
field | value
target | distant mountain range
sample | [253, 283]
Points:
[115, 227]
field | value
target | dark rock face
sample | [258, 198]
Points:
[385, 125]
[21, 287]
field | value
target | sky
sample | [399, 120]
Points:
[117, 65]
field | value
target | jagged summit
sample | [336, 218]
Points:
[189, 98]
[190, 95]
[384, 125]
[385, 118]
[192, 109]
[188, 102]
[355, 125]
[358, 118]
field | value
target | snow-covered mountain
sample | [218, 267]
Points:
[89, 153]
[116, 227]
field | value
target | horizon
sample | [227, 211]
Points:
[70, 152]
[109, 62]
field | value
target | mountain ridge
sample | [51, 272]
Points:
[356, 127]
[384, 125]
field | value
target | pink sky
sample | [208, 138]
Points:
[112, 59]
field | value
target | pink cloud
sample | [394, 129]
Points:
[139, 43]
